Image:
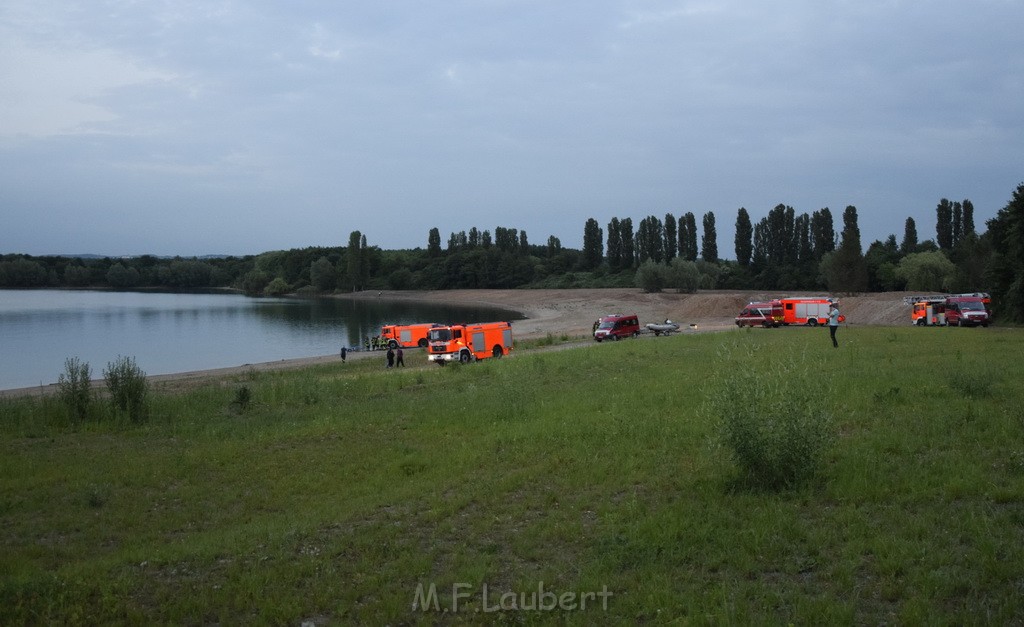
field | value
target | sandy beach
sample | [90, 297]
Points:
[565, 312]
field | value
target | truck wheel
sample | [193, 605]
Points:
[497, 352]
[463, 357]
[813, 322]
[767, 325]
[422, 343]
[392, 344]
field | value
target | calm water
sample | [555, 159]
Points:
[168, 333]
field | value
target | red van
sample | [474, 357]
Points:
[616, 327]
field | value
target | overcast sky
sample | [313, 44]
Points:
[237, 127]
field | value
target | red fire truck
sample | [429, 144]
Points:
[406, 335]
[809, 311]
[961, 310]
[469, 342]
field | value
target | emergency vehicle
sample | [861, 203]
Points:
[469, 342]
[961, 310]
[616, 327]
[406, 335]
[761, 314]
[808, 311]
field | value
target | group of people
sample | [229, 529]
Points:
[395, 356]
[375, 343]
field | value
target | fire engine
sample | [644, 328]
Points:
[406, 335]
[962, 310]
[809, 311]
[469, 342]
[762, 314]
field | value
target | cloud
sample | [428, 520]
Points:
[49, 92]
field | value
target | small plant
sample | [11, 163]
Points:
[888, 396]
[75, 388]
[128, 388]
[970, 384]
[243, 398]
[777, 428]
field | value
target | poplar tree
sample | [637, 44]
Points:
[355, 260]
[671, 236]
[593, 249]
[909, 244]
[615, 245]
[434, 243]
[628, 254]
[743, 238]
[944, 224]
[709, 242]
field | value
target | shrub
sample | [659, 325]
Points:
[75, 388]
[277, 287]
[128, 388]
[777, 428]
[652, 276]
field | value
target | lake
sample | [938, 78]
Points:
[168, 333]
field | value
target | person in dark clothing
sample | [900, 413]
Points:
[833, 322]
[399, 358]
[391, 358]
[344, 352]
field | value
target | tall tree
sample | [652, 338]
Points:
[434, 243]
[968, 220]
[847, 271]
[1006, 268]
[944, 224]
[593, 248]
[823, 234]
[524, 243]
[628, 254]
[671, 241]
[615, 245]
[355, 260]
[743, 239]
[709, 242]
[958, 223]
[650, 240]
[688, 249]
[909, 244]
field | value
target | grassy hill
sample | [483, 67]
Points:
[591, 484]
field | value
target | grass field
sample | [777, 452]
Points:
[582, 486]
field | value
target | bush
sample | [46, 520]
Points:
[128, 388]
[777, 428]
[652, 276]
[74, 388]
[277, 287]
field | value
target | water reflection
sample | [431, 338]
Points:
[167, 333]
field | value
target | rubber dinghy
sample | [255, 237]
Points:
[665, 327]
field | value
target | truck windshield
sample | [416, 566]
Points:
[440, 335]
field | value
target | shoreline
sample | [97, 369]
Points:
[556, 312]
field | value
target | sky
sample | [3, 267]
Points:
[181, 127]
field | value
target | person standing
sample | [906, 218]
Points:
[399, 358]
[391, 358]
[833, 322]
[344, 353]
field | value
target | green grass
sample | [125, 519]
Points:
[336, 491]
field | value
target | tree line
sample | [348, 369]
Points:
[782, 251]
